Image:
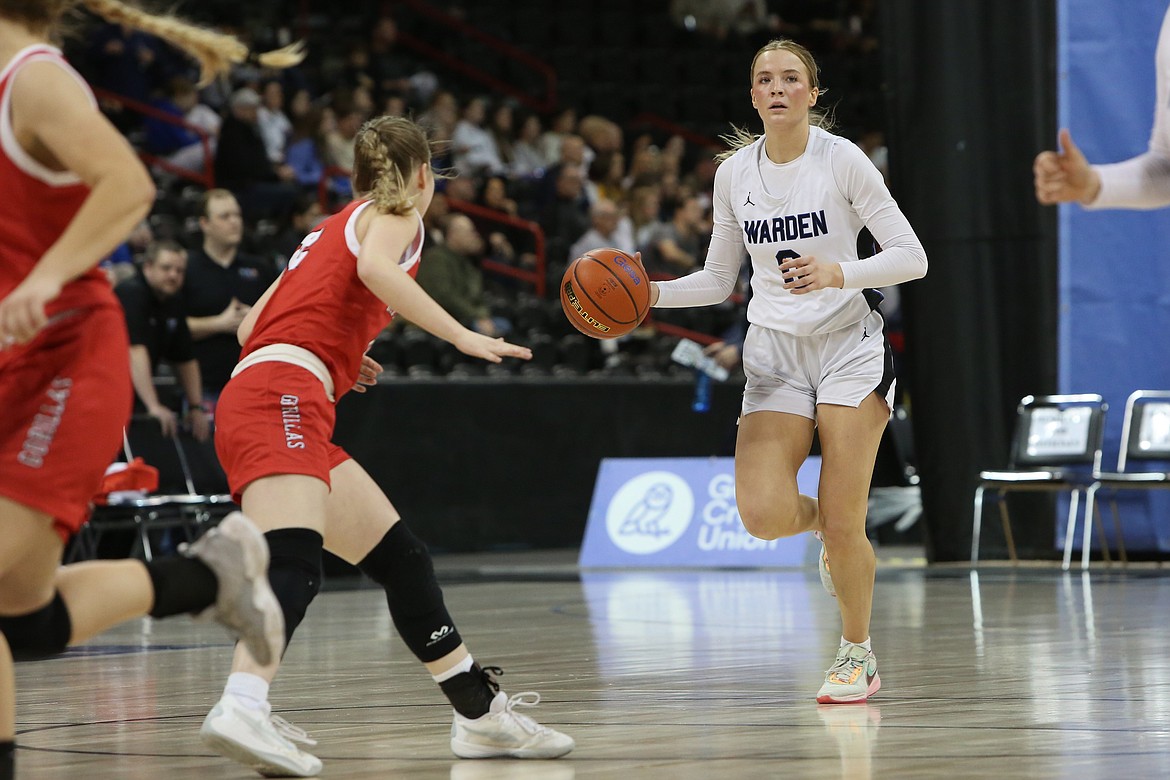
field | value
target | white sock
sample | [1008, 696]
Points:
[249, 689]
[463, 666]
[864, 644]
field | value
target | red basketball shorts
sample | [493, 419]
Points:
[66, 397]
[274, 418]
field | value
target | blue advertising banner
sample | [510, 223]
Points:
[1114, 264]
[681, 512]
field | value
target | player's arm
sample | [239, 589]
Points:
[249, 321]
[53, 113]
[387, 237]
[715, 281]
[902, 257]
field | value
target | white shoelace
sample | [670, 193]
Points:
[843, 667]
[522, 700]
[292, 733]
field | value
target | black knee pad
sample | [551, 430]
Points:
[294, 571]
[39, 634]
[401, 564]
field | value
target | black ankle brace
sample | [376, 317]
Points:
[471, 692]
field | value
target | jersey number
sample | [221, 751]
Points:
[786, 254]
[303, 249]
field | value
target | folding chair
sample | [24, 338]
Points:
[187, 499]
[1054, 434]
[1145, 437]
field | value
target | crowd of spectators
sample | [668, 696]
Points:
[280, 147]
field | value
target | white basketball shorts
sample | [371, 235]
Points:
[793, 374]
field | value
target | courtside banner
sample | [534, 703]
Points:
[663, 512]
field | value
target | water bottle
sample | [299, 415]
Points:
[702, 402]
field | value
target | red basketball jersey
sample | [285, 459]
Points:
[321, 305]
[38, 201]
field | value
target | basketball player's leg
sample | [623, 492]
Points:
[849, 441]
[366, 530]
[22, 530]
[290, 510]
[769, 449]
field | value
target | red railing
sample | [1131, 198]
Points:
[534, 277]
[329, 173]
[206, 177]
[545, 105]
[647, 119]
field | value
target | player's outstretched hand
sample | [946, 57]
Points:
[22, 313]
[805, 274]
[492, 350]
[1065, 176]
[367, 374]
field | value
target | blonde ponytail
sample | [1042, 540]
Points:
[215, 52]
[387, 151]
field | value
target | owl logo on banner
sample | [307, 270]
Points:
[650, 512]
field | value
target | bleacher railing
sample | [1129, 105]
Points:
[544, 104]
[206, 177]
[535, 277]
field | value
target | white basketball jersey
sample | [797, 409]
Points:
[796, 209]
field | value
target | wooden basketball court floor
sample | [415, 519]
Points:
[1004, 672]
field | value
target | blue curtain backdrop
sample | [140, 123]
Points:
[1114, 265]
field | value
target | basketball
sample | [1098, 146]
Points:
[605, 293]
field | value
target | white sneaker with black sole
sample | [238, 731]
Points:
[505, 733]
[257, 739]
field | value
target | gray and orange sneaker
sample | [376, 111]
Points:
[853, 677]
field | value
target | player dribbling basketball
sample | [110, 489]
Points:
[815, 354]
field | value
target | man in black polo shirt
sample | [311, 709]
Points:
[158, 331]
[222, 284]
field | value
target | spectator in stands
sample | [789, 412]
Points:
[473, 147]
[495, 196]
[645, 167]
[273, 123]
[222, 284]
[263, 188]
[527, 156]
[563, 125]
[347, 120]
[394, 72]
[607, 175]
[610, 229]
[305, 152]
[573, 155]
[676, 247]
[563, 219]
[121, 59]
[435, 217]
[166, 137]
[306, 215]
[450, 274]
[441, 116]
[120, 265]
[503, 130]
[645, 210]
[157, 323]
[394, 104]
[601, 135]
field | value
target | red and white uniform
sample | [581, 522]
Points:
[276, 415]
[66, 395]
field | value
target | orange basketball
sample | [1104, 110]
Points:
[605, 293]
